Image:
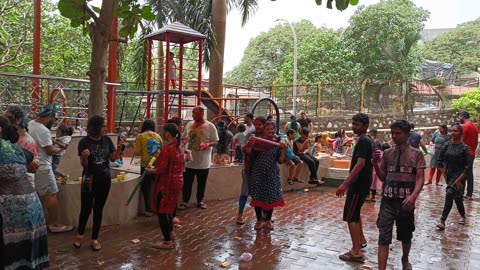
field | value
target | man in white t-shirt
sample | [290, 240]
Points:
[45, 183]
[202, 136]
[250, 128]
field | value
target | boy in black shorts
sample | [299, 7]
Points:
[358, 184]
[292, 160]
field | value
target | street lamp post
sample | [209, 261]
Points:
[294, 109]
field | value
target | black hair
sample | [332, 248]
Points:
[175, 120]
[221, 124]
[444, 127]
[339, 133]
[457, 125]
[318, 137]
[241, 127]
[385, 146]
[304, 131]
[172, 54]
[148, 124]
[373, 132]
[269, 117]
[464, 114]
[362, 118]
[293, 122]
[290, 131]
[9, 131]
[249, 115]
[270, 123]
[261, 119]
[66, 130]
[412, 125]
[403, 125]
[18, 113]
[94, 125]
[173, 130]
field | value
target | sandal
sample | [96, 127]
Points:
[348, 256]
[290, 181]
[364, 245]
[428, 183]
[175, 220]
[258, 225]
[63, 228]
[269, 225]
[441, 226]
[163, 245]
[408, 267]
[297, 180]
[461, 221]
[95, 245]
[183, 206]
[201, 205]
[77, 241]
[240, 220]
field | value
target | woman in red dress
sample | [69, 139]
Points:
[168, 183]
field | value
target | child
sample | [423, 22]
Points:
[63, 138]
[317, 146]
[301, 148]
[224, 136]
[168, 183]
[121, 136]
[173, 70]
[238, 140]
[376, 182]
[292, 160]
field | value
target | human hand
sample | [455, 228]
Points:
[85, 153]
[377, 156]
[282, 145]
[150, 169]
[204, 145]
[341, 190]
[409, 202]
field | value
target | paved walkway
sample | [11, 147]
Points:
[309, 234]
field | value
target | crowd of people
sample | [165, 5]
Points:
[29, 158]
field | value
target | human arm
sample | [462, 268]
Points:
[138, 145]
[422, 145]
[62, 145]
[161, 164]
[32, 163]
[213, 138]
[378, 164]
[310, 126]
[114, 153]
[52, 150]
[352, 176]
[283, 152]
[409, 201]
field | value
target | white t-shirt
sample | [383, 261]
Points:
[42, 136]
[66, 140]
[207, 133]
[249, 129]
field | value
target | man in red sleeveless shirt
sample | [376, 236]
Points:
[470, 138]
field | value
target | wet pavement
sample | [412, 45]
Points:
[309, 234]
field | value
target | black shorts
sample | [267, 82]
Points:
[295, 161]
[392, 211]
[353, 205]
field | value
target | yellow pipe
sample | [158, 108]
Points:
[319, 102]
[362, 95]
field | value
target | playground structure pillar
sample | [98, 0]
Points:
[112, 77]
[199, 82]
[167, 78]
[149, 75]
[36, 55]
[180, 82]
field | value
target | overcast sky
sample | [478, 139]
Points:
[443, 14]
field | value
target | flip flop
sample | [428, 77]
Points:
[61, 229]
[96, 246]
[163, 245]
[348, 256]
[77, 241]
[409, 267]
[364, 245]
[201, 205]
[182, 206]
[441, 226]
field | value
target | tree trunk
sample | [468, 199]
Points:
[219, 22]
[100, 33]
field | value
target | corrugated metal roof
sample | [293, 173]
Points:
[179, 33]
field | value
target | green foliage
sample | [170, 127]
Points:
[339, 4]
[459, 46]
[377, 36]
[469, 101]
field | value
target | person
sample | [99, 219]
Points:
[341, 140]
[45, 182]
[470, 138]
[18, 119]
[265, 182]
[172, 70]
[454, 162]
[415, 140]
[168, 171]
[119, 161]
[223, 146]
[439, 140]
[247, 166]
[238, 141]
[249, 127]
[401, 169]
[358, 184]
[317, 146]
[293, 124]
[269, 118]
[96, 150]
[63, 137]
[147, 133]
[376, 183]
[301, 148]
[305, 121]
[291, 160]
[202, 136]
[23, 241]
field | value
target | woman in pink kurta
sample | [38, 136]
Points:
[168, 183]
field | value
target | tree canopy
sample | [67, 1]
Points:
[460, 46]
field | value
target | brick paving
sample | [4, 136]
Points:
[309, 234]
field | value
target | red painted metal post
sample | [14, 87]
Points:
[180, 80]
[112, 76]
[167, 78]
[149, 74]
[199, 82]
[36, 55]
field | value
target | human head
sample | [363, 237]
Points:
[457, 131]
[464, 116]
[373, 133]
[221, 124]
[96, 126]
[340, 133]
[172, 55]
[318, 137]
[259, 124]
[8, 131]
[270, 129]
[148, 125]
[47, 115]
[443, 129]
[293, 118]
[197, 114]
[412, 126]
[64, 130]
[177, 121]
[249, 118]
[304, 132]
[400, 130]
[291, 134]
[16, 116]
[170, 131]
[360, 122]
[241, 128]
[303, 115]
[269, 117]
